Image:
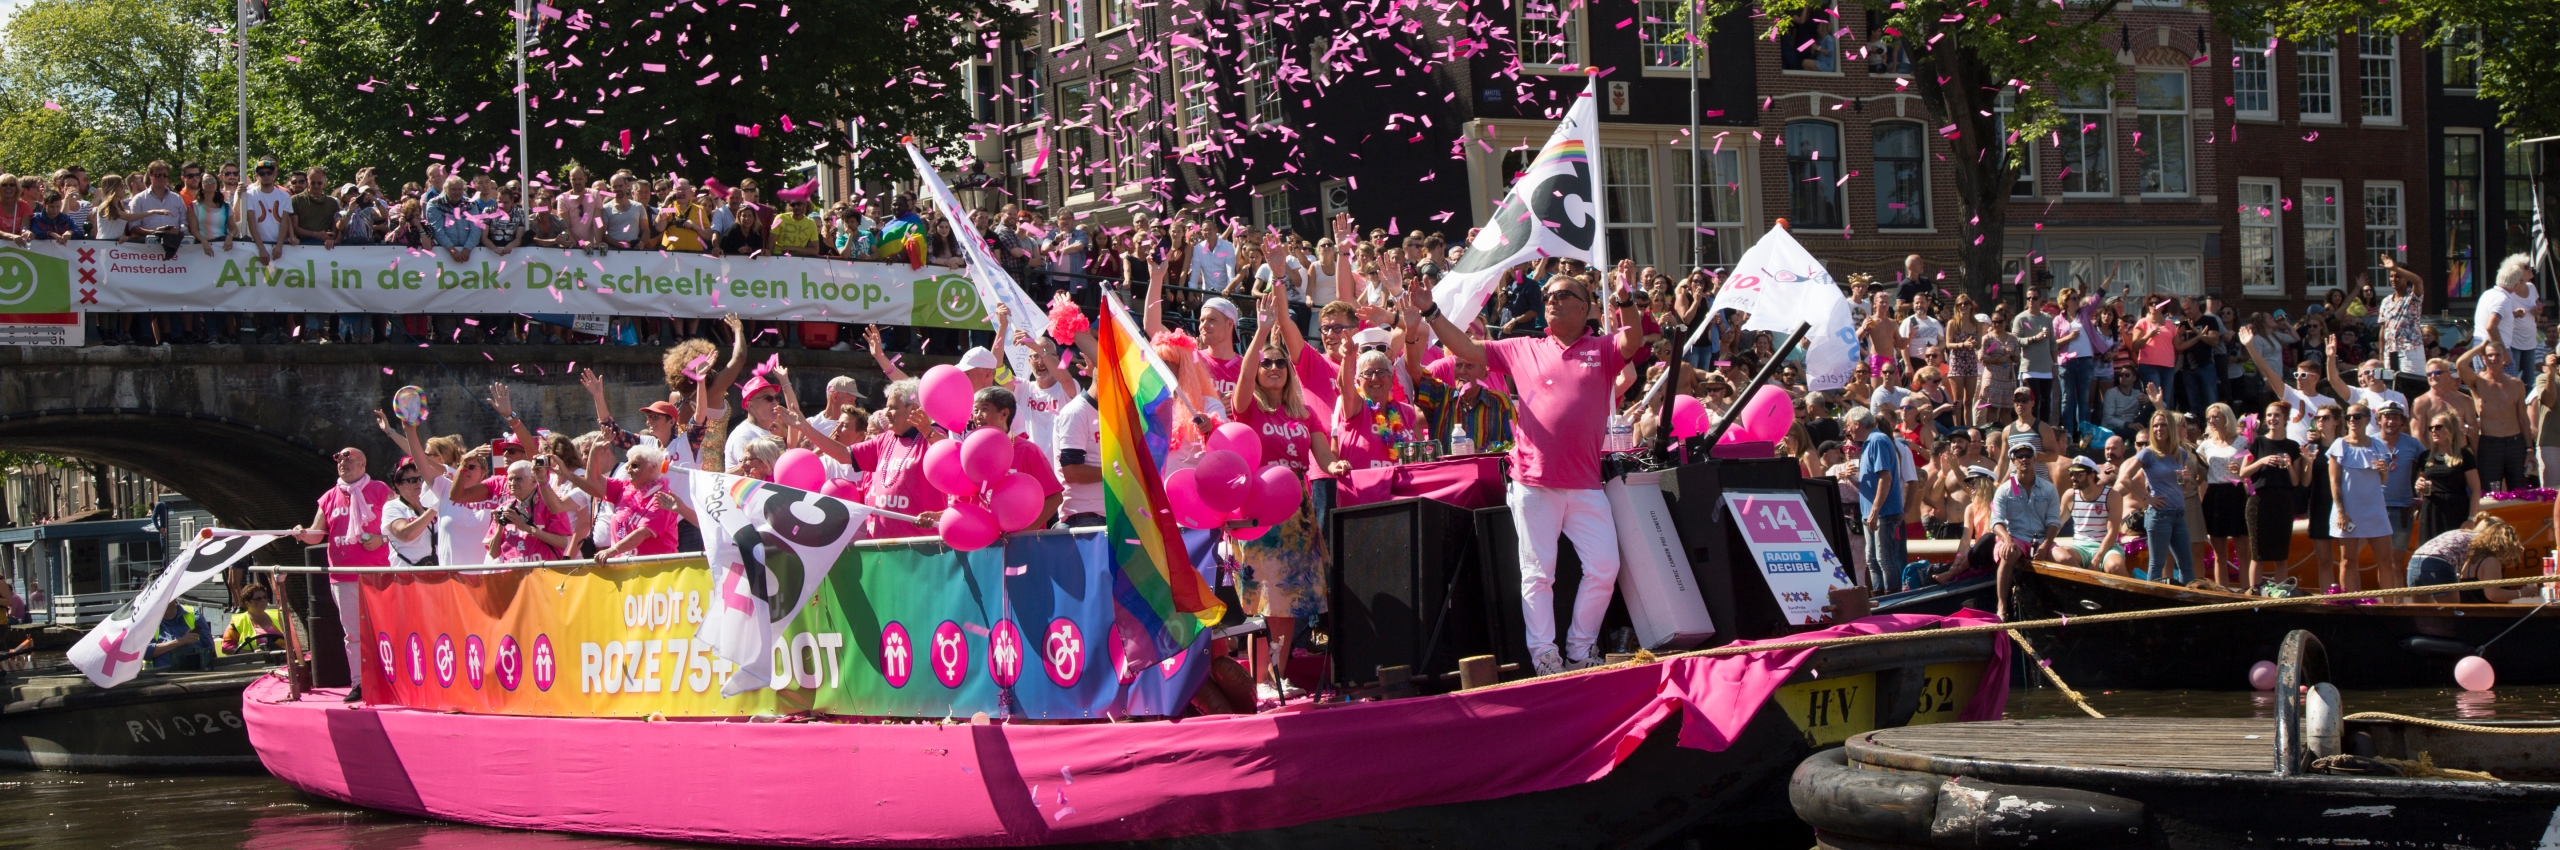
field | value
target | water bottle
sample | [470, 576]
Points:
[1459, 442]
[1622, 434]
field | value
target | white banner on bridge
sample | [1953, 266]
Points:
[97, 277]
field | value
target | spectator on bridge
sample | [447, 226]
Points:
[17, 213]
[350, 521]
[157, 214]
[450, 222]
[315, 211]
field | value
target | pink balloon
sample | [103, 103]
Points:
[1243, 534]
[1276, 493]
[2262, 675]
[801, 469]
[1689, 417]
[1182, 489]
[986, 455]
[942, 469]
[1224, 480]
[967, 527]
[841, 489]
[1768, 416]
[1239, 438]
[2474, 673]
[1016, 501]
[945, 394]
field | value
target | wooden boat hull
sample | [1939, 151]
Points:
[2395, 646]
[184, 721]
[1022, 784]
[1878, 792]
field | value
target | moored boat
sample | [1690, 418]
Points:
[54, 719]
[2307, 777]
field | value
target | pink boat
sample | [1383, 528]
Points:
[1630, 756]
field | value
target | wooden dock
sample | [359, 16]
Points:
[2242, 745]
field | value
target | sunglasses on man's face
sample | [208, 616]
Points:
[193, 175]
[1335, 329]
[266, 171]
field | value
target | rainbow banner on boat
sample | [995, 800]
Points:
[1025, 630]
[1133, 391]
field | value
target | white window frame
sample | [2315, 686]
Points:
[1631, 197]
[2316, 80]
[2261, 236]
[1663, 33]
[1119, 92]
[2323, 206]
[1067, 28]
[2171, 134]
[2378, 78]
[2101, 139]
[1116, 15]
[1724, 205]
[2253, 79]
[1271, 206]
[2177, 274]
[2129, 272]
[1261, 69]
[2386, 226]
[2066, 269]
[1920, 133]
[2026, 170]
[1561, 22]
[1195, 101]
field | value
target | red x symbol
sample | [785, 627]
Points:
[89, 276]
[88, 255]
[88, 296]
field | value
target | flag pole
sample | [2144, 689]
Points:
[240, 34]
[524, 137]
[1734, 414]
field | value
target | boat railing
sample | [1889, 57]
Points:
[592, 563]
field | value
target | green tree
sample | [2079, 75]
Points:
[1970, 60]
[408, 82]
[127, 81]
[2513, 43]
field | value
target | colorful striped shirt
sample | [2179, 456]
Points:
[1488, 416]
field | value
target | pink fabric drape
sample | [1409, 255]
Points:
[1471, 483]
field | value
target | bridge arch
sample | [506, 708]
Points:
[247, 475]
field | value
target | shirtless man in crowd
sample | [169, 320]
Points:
[2444, 395]
[2502, 449]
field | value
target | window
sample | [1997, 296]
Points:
[1628, 174]
[2261, 237]
[1075, 136]
[2160, 134]
[1262, 75]
[2323, 246]
[2175, 275]
[1193, 98]
[2079, 273]
[2462, 212]
[1665, 25]
[1066, 22]
[2461, 58]
[2087, 146]
[2379, 61]
[1550, 33]
[2383, 231]
[1811, 41]
[1271, 206]
[2318, 79]
[2518, 220]
[1813, 174]
[2131, 273]
[1902, 194]
[1116, 14]
[2252, 78]
[2025, 186]
[1033, 72]
[1723, 207]
[1120, 94]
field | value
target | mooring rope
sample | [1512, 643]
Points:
[2451, 726]
[2049, 675]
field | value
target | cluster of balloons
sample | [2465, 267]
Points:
[1226, 486]
[988, 496]
[1763, 423]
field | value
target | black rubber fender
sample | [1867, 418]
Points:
[1881, 806]
[1975, 815]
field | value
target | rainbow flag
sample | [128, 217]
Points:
[1156, 584]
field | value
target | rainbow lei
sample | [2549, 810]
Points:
[1387, 422]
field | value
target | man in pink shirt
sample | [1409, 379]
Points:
[993, 407]
[1563, 380]
[895, 459]
[350, 520]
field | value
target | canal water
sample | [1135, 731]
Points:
[72, 811]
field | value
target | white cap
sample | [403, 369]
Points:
[1221, 306]
[1372, 336]
[978, 358]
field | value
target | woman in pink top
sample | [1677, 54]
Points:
[1367, 421]
[894, 459]
[1284, 569]
[644, 511]
[534, 524]
[2153, 342]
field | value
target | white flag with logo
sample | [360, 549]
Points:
[1553, 210]
[994, 285]
[1781, 285]
[770, 548]
[117, 649]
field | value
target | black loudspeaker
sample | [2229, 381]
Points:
[327, 638]
[1402, 569]
[1737, 597]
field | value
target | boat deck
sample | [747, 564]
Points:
[2241, 745]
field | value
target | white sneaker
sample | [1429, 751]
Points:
[1546, 661]
[1583, 664]
[1290, 690]
[1263, 692]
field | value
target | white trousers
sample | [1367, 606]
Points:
[1539, 515]
[351, 625]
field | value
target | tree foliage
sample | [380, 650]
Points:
[111, 84]
[410, 82]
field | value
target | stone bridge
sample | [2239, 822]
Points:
[247, 430]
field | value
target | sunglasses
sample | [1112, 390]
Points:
[1274, 363]
[266, 171]
[1375, 346]
[193, 175]
[2436, 373]
[1335, 329]
[2435, 427]
[1564, 293]
[408, 479]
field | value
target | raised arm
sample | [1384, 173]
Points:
[408, 445]
[2345, 390]
[1250, 374]
[501, 398]
[1451, 336]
